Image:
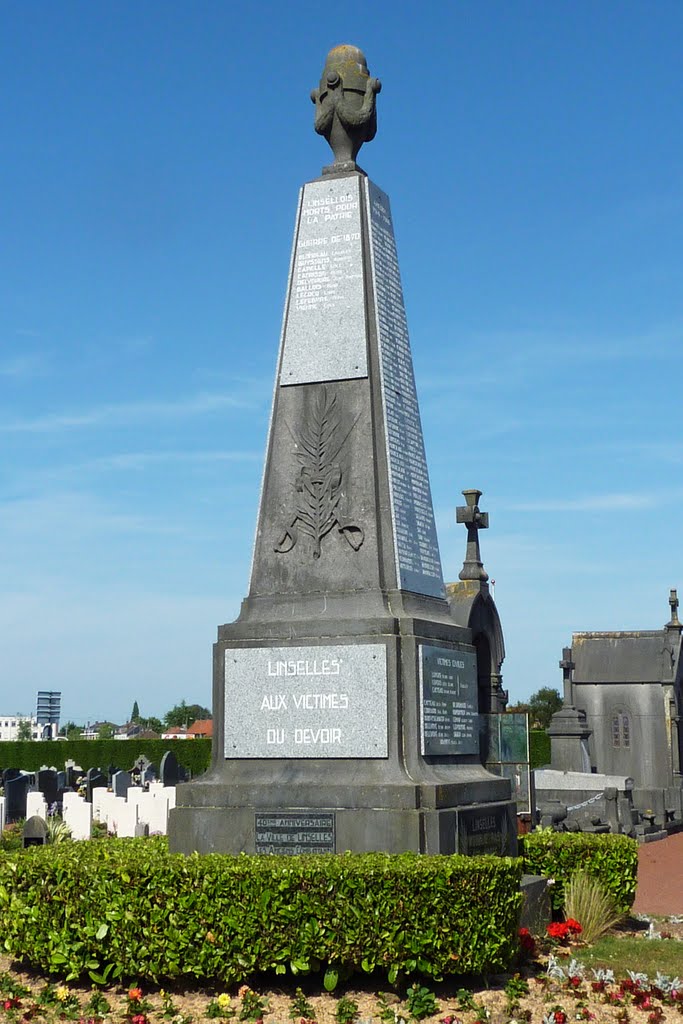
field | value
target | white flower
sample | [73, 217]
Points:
[605, 974]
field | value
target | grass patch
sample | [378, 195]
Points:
[625, 954]
[586, 900]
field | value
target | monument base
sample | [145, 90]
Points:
[333, 747]
[472, 829]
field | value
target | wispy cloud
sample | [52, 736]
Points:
[126, 413]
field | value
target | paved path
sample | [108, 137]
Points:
[660, 877]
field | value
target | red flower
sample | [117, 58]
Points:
[135, 994]
[139, 1018]
[560, 1017]
[526, 941]
[573, 926]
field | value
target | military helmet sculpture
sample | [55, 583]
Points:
[345, 110]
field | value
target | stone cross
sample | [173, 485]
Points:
[475, 521]
[567, 666]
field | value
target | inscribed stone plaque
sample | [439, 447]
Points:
[295, 833]
[416, 543]
[448, 701]
[306, 701]
[324, 330]
[485, 830]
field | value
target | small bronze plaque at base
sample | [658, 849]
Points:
[292, 834]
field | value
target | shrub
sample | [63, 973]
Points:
[587, 900]
[612, 859]
[30, 755]
[128, 909]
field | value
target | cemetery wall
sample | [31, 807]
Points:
[29, 756]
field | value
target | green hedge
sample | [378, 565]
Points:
[129, 910]
[539, 748]
[611, 858]
[30, 755]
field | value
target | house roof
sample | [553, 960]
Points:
[202, 727]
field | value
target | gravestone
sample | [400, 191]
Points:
[148, 774]
[35, 832]
[168, 769]
[345, 694]
[16, 790]
[46, 780]
[94, 779]
[121, 783]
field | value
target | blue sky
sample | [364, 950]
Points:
[152, 155]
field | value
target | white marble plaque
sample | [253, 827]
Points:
[306, 701]
[415, 539]
[324, 331]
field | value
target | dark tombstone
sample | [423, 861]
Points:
[46, 780]
[168, 769]
[35, 832]
[16, 789]
[111, 772]
[149, 774]
[94, 779]
[61, 781]
[121, 783]
[11, 773]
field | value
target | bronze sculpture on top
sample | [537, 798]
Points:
[345, 110]
[348, 694]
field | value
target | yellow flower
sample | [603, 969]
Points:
[62, 993]
[223, 1000]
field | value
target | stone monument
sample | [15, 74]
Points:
[345, 695]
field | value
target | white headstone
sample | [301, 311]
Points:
[77, 814]
[35, 804]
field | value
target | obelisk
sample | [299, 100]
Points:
[345, 695]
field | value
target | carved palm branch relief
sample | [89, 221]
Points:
[319, 481]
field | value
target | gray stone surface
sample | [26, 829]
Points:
[293, 834]
[121, 783]
[322, 701]
[35, 831]
[345, 111]
[448, 698]
[345, 556]
[324, 333]
[416, 542]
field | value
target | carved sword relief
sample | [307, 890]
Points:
[319, 481]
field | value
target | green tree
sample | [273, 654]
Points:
[24, 731]
[105, 731]
[185, 714]
[135, 713]
[71, 731]
[543, 704]
[155, 724]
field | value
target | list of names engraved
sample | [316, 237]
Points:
[448, 701]
[417, 546]
[324, 335]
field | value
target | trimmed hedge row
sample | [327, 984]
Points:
[129, 910]
[613, 859]
[31, 754]
[539, 748]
